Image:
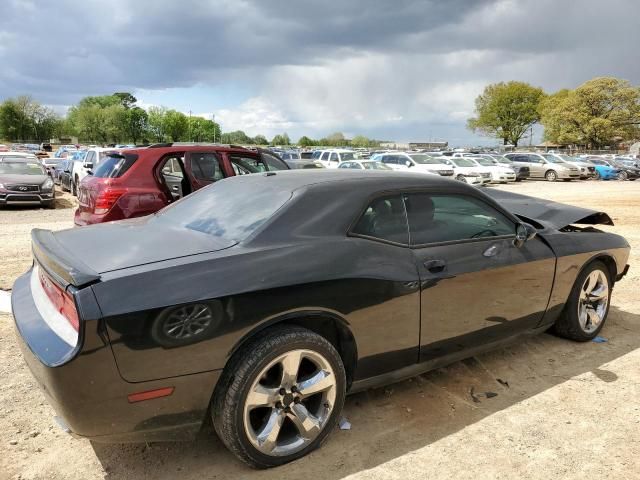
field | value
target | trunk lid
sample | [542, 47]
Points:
[80, 255]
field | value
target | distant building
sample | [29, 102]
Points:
[413, 145]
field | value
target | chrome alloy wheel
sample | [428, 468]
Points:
[290, 402]
[594, 298]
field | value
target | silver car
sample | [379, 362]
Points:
[540, 167]
[587, 169]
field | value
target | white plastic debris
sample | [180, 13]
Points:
[5, 302]
[345, 424]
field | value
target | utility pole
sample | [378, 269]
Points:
[189, 125]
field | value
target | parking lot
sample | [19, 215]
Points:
[561, 409]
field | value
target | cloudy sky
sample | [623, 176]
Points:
[394, 69]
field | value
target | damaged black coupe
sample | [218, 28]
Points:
[261, 301]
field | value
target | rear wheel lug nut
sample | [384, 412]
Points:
[294, 389]
[282, 391]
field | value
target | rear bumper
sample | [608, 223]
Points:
[83, 385]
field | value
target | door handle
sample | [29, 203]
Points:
[175, 188]
[435, 266]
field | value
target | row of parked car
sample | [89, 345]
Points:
[476, 168]
[160, 174]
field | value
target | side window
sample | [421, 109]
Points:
[172, 168]
[333, 157]
[90, 157]
[385, 219]
[271, 162]
[346, 165]
[206, 166]
[521, 158]
[325, 156]
[535, 159]
[390, 159]
[444, 218]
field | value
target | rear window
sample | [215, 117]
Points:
[225, 209]
[115, 165]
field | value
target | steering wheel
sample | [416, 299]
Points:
[484, 233]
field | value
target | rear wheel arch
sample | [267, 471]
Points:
[326, 324]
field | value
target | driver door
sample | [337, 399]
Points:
[476, 285]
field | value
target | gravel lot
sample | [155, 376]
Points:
[569, 410]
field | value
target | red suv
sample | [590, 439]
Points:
[140, 181]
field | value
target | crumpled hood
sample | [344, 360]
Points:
[558, 215]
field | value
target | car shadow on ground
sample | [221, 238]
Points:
[392, 421]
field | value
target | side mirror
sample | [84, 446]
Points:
[88, 165]
[524, 233]
[408, 163]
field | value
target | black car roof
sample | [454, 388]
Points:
[347, 179]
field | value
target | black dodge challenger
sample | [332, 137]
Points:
[262, 300]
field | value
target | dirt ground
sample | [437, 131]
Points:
[563, 410]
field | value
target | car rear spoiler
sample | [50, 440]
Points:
[558, 215]
[58, 262]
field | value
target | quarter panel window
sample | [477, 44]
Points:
[385, 219]
[444, 218]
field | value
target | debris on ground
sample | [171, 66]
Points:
[600, 339]
[345, 424]
[504, 383]
[476, 396]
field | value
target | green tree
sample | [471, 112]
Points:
[506, 111]
[336, 139]
[360, 141]
[203, 130]
[176, 125]
[135, 123]
[597, 113]
[306, 142]
[236, 138]
[281, 139]
[260, 140]
[155, 123]
[126, 99]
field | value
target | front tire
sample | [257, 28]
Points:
[279, 397]
[587, 308]
[461, 178]
[551, 176]
[622, 176]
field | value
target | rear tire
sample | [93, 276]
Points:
[623, 176]
[581, 320]
[260, 410]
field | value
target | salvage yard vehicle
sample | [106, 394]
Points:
[24, 181]
[141, 181]
[368, 165]
[468, 171]
[604, 171]
[236, 304]
[587, 169]
[85, 162]
[333, 157]
[417, 162]
[499, 173]
[522, 172]
[551, 169]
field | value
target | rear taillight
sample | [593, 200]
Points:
[106, 199]
[62, 301]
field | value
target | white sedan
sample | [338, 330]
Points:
[499, 173]
[365, 165]
[468, 171]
